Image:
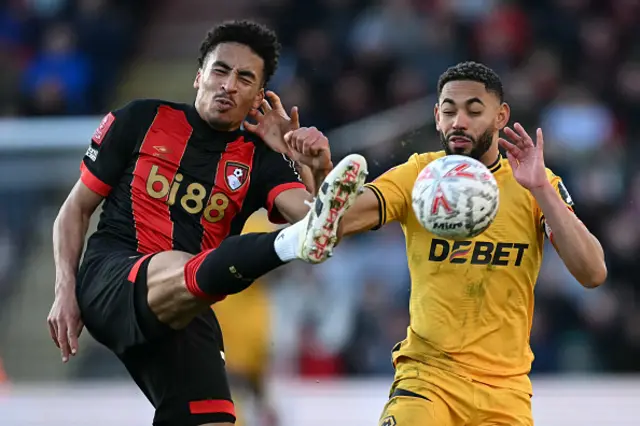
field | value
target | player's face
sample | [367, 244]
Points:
[468, 118]
[229, 85]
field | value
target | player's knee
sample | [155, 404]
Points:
[167, 294]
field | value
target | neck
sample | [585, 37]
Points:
[489, 158]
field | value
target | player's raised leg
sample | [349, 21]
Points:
[180, 285]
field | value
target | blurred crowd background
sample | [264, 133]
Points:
[569, 66]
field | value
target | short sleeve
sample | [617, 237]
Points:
[276, 173]
[564, 195]
[110, 151]
[393, 191]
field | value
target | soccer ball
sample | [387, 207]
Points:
[455, 197]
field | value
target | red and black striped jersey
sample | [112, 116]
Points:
[171, 182]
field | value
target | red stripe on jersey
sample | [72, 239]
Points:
[230, 188]
[212, 406]
[274, 214]
[92, 182]
[153, 177]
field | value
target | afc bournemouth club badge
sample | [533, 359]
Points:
[236, 175]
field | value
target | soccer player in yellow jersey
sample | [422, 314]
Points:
[466, 358]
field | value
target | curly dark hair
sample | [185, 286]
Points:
[257, 37]
[473, 71]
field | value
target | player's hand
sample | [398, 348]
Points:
[525, 156]
[65, 324]
[273, 122]
[310, 147]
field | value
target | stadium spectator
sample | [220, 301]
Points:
[56, 81]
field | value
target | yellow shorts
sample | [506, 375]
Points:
[424, 396]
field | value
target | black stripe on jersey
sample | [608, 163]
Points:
[237, 225]
[382, 206]
[496, 165]
[125, 229]
[188, 232]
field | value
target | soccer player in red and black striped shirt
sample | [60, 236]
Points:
[178, 182]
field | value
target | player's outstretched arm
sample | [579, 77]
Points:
[386, 199]
[580, 250]
[363, 215]
[293, 204]
[69, 231]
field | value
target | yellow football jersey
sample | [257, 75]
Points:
[471, 303]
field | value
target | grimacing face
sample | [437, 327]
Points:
[469, 118]
[229, 85]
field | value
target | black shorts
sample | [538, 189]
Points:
[181, 372]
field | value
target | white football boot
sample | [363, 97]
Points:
[318, 231]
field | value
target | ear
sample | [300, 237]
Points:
[257, 101]
[504, 113]
[436, 116]
[196, 82]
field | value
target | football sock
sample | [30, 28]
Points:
[286, 244]
[233, 266]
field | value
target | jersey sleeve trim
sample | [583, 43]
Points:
[546, 229]
[92, 182]
[382, 205]
[212, 406]
[274, 214]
